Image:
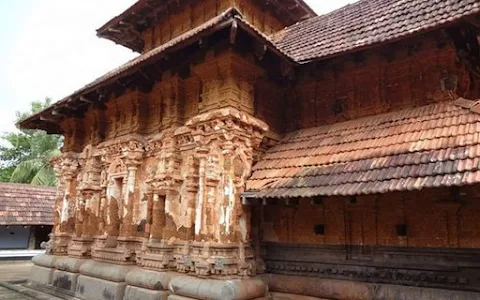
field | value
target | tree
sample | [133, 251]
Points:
[25, 155]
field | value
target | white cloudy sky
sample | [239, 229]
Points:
[49, 48]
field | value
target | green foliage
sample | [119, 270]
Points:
[25, 154]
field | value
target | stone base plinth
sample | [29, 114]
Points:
[198, 288]
[283, 296]
[151, 280]
[99, 289]
[92, 280]
[65, 280]
[176, 297]
[137, 293]
[41, 275]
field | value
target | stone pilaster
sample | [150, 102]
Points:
[228, 81]
[225, 140]
[88, 202]
[66, 167]
[164, 186]
[118, 181]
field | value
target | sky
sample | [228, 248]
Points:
[49, 48]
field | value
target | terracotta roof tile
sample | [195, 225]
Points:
[368, 22]
[228, 16]
[429, 146]
[23, 204]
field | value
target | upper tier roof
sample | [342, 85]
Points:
[436, 145]
[24, 204]
[368, 22]
[352, 28]
[124, 29]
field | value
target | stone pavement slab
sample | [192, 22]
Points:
[7, 294]
[14, 270]
[21, 292]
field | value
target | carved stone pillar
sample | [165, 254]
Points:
[225, 142]
[228, 81]
[88, 202]
[164, 186]
[118, 185]
[128, 244]
[66, 167]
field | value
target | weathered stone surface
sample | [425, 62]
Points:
[69, 264]
[41, 275]
[318, 287]
[149, 279]
[45, 260]
[284, 296]
[217, 289]
[137, 293]
[292, 287]
[111, 272]
[398, 292]
[98, 289]
[176, 297]
[65, 280]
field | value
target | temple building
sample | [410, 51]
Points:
[255, 150]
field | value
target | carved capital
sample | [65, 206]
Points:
[66, 166]
[229, 126]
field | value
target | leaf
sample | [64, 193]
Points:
[28, 151]
[26, 170]
[45, 177]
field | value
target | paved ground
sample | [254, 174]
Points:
[12, 275]
[6, 294]
[14, 270]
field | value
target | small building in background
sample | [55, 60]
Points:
[26, 218]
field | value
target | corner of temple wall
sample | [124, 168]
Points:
[164, 200]
[66, 167]
[224, 141]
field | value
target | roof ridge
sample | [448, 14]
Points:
[472, 105]
[26, 185]
[383, 114]
[313, 19]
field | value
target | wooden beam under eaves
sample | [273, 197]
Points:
[233, 32]
[114, 30]
[85, 100]
[472, 20]
[48, 120]
[58, 112]
[260, 49]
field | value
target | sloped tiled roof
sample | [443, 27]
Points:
[225, 19]
[368, 22]
[429, 146]
[23, 204]
[352, 27]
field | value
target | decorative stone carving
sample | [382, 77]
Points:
[228, 81]
[115, 202]
[66, 167]
[224, 140]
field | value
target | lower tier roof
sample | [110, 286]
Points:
[24, 204]
[437, 145]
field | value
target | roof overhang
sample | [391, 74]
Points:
[50, 118]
